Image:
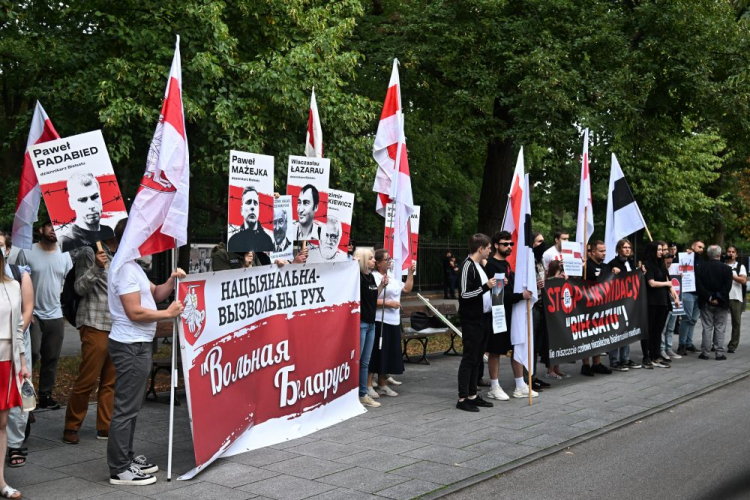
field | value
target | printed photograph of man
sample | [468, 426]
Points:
[328, 250]
[281, 242]
[251, 237]
[85, 198]
[307, 205]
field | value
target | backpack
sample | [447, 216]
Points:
[16, 272]
[69, 299]
[421, 321]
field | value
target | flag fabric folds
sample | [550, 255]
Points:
[525, 279]
[585, 207]
[513, 210]
[314, 139]
[29, 191]
[158, 218]
[393, 180]
[623, 215]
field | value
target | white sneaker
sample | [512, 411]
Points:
[393, 382]
[368, 401]
[664, 356]
[371, 392]
[673, 355]
[523, 392]
[498, 394]
[133, 476]
[387, 391]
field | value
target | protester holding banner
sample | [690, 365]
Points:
[659, 287]
[690, 304]
[475, 309]
[596, 270]
[541, 336]
[666, 337]
[619, 359]
[736, 295]
[555, 272]
[387, 357]
[132, 302]
[368, 299]
[714, 283]
[12, 361]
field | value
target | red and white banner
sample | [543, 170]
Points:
[413, 236]
[158, 218]
[250, 217]
[585, 224]
[29, 192]
[335, 234]
[307, 183]
[80, 189]
[258, 367]
[513, 210]
[314, 139]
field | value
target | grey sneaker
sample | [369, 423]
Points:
[133, 476]
[143, 465]
[673, 355]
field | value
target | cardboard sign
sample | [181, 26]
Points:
[572, 258]
[79, 188]
[687, 267]
[250, 216]
[283, 229]
[334, 238]
[307, 183]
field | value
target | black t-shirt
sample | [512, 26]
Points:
[596, 272]
[368, 298]
[495, 266]
[657, 296]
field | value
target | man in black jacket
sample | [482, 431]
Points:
[713, 280]
[475, 309]
[596, 270]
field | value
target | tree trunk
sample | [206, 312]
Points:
[498, 174]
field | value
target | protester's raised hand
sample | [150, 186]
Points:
[175, 309]
[101, 259]
[413, 268]
[301, 257]
[179, 274]
[385, 280]
[491, 282]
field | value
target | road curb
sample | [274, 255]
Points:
[483, 476]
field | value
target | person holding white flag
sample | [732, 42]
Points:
[314, 138]
[585, 224]
[623, 215]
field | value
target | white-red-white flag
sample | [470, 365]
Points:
[158, 218]
[314, 139]
[525, 279]
[393, 180]
[585, 225]
[29, 192]
[513, 210]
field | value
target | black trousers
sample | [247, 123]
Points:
[475, 335]
[657, 317]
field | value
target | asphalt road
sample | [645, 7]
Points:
[698, 450]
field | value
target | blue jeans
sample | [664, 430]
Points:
[689, 320]
[366, 341]
[619, 356]
[666, 339]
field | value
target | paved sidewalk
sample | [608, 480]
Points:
[413, 445]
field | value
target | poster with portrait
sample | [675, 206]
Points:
[413, 231]
[307, 183]
[250, 216]
[79, 188]
[283, 229]
[332, 246]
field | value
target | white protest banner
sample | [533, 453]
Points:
[250, 213]
[413, 232]
[687, 267]
[79, 188]
[283, 229]
[677, 287]
[335, 234]
[572, 258]
[258, 367]
[307, 182]
[499, 322]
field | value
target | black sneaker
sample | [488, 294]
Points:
[542, 383]
[703, 356]
[731, 350]
[143, 465]
[465, 405]
[587, 371]
[681, 350]
[483, 383]
[721, 357]
[478, 401]
[631, 365]
[690, 348]
[536, 386]
[133, 476]
[648, 364]
[600, 368]
[48, 403]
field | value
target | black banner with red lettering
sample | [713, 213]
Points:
[586, 318]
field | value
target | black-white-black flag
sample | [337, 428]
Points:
[623, 215]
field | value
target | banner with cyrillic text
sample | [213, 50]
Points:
[258, 367]
[586, 318]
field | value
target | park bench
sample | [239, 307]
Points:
[163, 331]
[423, 336]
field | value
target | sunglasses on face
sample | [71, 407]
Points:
[506, 243]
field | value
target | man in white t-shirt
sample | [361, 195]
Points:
[736, 300]
[555, 252]
[49, 266]
[132, 304]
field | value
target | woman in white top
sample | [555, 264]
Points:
[12, 361]
[387, 358]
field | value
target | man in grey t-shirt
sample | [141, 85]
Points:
[49, 266]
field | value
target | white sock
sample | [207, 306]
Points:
[520, 384]
[494, 384]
